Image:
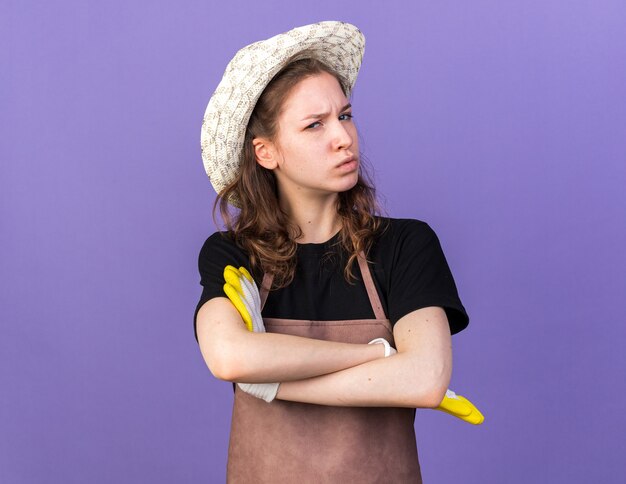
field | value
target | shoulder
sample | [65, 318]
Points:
[398, 233]
[403, 225]
[415, 272]
[221, 249]
[405, 242]
[220, 241]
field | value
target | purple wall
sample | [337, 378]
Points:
[501, 125]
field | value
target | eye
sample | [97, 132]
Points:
[348, 117]
[312, 125]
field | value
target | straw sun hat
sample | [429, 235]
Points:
[340, 45]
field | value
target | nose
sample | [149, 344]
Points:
[342, 139]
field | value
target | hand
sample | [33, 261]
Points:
[460, 407]
[244, 294]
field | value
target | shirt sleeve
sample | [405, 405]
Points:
[421, 277]
[217, 252]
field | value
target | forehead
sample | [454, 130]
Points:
[315, 94]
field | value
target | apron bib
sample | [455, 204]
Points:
[294, 442]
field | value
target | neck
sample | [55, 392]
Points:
[316, 217]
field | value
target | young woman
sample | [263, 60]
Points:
[316, 400]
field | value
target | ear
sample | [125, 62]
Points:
[266, 153]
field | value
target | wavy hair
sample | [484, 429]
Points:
[264, 230]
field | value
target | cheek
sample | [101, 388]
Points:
[354, 134]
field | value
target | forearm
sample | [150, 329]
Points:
[402, 380]
[273, 357]
[233, 353]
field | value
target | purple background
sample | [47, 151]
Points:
[501, 124]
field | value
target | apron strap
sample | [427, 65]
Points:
[265, 288]
[372, 293]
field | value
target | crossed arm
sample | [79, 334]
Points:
[331, 373]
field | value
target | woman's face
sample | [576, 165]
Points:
[316, 140]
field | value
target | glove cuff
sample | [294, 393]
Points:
[264, 391]
[388, 349]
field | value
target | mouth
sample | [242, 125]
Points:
[348, 164]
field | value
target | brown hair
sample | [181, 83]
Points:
[264, 230]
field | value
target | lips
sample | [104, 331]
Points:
[349, 164]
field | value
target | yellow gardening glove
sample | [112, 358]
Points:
[244, 294]
[460, 407]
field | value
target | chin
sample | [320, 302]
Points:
[349, 185]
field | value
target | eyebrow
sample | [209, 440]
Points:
[322, 115]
